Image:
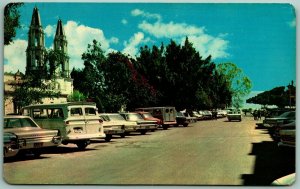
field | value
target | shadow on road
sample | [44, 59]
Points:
[271, 163]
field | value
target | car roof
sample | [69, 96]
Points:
[16, 116]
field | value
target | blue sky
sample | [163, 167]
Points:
[259, 38]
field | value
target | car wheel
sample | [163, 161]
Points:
[152, 130]
[122, 135]
[108, 138]
[37, 154]
[185, 125]
[165, 127]
[143, 132]
[82, 145]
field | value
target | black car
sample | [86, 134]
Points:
[181, 119]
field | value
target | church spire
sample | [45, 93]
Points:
[35, 51]
[36, 20]
[61, 44]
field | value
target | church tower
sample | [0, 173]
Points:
[61, 44]
[35, 52]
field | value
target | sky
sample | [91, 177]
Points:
[259, 38]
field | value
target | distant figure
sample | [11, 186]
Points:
[255, 114]
[258, 115]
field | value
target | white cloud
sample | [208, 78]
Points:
[204, 43]
[138, 12]
[132, 47]
[78, 37]
[169, 30]
[15, 56]
[208, 45]
[50, 30]
[124, 21]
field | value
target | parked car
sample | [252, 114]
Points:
[142, 125]
[190, 118]
[117, 119]
[181, 119]
[198, 115]
[112, 128]
[166, 113]
[77, 122]
[206, 114]
[286, 117]
[286, 134]
[287, 180]
[234, 114]
[22, 134]
[149, 116]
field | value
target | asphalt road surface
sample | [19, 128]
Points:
[213, 152]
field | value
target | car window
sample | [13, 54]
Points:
[285, 114]
[147, 115]
[55, 113]
[18, 123]
[134, 117]
[116, 117]
[104, 117]
[76, 111]
[90, 111]
[40, 113]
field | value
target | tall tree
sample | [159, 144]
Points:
[11, 21]
[239, 83]
[90, 80]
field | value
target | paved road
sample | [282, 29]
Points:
[214, 152]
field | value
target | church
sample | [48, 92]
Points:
[36, 63]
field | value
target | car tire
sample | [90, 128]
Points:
[185, 125]
[108, 138]
[123, 135]
[143, 132]
[82, 145]
[165, 127]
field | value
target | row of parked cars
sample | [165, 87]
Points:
[47, 125]
[282, 126]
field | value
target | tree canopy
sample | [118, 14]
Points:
[175, 75]
[11, 21]
[280, 96]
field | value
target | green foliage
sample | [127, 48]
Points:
[76, 96]
[239, 84]
[173, 75]
[11, 21]
[55, 58]
[31, 90]
[280, 96]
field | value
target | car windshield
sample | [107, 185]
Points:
[287, 115]
[134, 117]
[18, 123]
[180, 114]
[116, 117]
[147, 115]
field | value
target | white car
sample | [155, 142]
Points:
[117, 120]
[234, 115]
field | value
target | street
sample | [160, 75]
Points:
[211, 152]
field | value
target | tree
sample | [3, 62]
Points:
[31, 90]
[76, 96]
[90, 80]
[239, 84]
[11, 21]
[280, 96]
[55, 58]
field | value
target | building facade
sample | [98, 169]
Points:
[58, 79]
